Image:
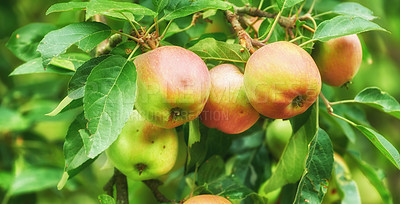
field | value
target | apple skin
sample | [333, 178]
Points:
[281, 80]
[207, 199]
[172, 87]
[144, 151]
[277, 136]
[228, 108]
[339, 59]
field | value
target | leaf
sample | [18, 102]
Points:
[343, 25]
[292, 162]
[211, 49]
[211, 170]
[86, 35]
[68, 6]
[194, 132]
[354, 9]
[160, 5]
[384, 146]
[373, 177]
[288, 4]
[35, 179]
[115, 8]
[25, 40]
[229, 187]
[74, 151]
[106, 199]
[76, 87]
[196, 6]
[380, 100]
[70, 61]
[108, 102]
[12, 120]
[314, 183]
[347, 187]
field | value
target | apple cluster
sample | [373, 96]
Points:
[174, 86]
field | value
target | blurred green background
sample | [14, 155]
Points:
[31, 143]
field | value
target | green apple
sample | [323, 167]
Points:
[277, 136]
[281, 80]
[339, 59]
[228, 108]
[144, 151]
[207, 199]
[173, 85]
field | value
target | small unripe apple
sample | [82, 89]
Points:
[144, 151]
[173, 85]
[207, 199]
[339, 59]
[277, 136]
[228, 108]
[281, 80]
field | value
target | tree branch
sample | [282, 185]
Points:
[244, 38]
[121, 185]
[253, 11]
[153, 184]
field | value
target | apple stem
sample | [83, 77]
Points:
[327, 103]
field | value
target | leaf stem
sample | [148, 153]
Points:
[130, 22]
[345, 119]
[341, 102]
[126, 35]
[166, 29]
[274, 24]
[132, 53]
[309, 41]
[323, 14]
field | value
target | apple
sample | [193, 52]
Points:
[228, 108]
[172, 86]
[207, 199]
[281, 80]
[144, 151]
[277, 136]
[339, 59]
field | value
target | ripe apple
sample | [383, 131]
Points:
[207, 199]
[277, 136]
[281, 80]
[339, 59]
[173, 85]
[228, 108]
[144, 151]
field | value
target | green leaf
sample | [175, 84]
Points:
[288, 4]
[211, 49]
[106, 199]
[374, 177]
[12, 120]
[160, 5]
[196, 6]
[6, 180]
[76, 89]
[314, 183]
[86, 35]
[69, 6]
[108, 102]
[211, 169]
[354, 9]
[230, 187]
[74, 150]
[115, 8]
[292, 162]
[70, 61]
[347, 187]
[25, 40]
[35, 179]
[343, 25]
[380, 100]
[384, 146]
[194, 132]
